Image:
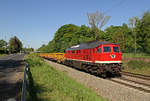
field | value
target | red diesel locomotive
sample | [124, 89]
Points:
[99, 58]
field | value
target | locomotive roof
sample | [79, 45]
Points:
[88, 45]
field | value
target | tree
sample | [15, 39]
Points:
[27, 50]
[3, 46]
[2, 43]
[43, 48]
[143, 32]
[120, 35]
[97, 20]
[66, 36]
[15, 45]
[132, 23]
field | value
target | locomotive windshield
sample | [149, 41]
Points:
[115, 49]
[107, 49]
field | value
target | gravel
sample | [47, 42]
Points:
[103, 87]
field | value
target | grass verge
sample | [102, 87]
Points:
[48, 84]
[139, 63]
[138, 55]
[137, 66]
[2, 55]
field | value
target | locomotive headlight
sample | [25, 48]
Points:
[113, 56]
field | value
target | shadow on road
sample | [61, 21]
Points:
[10, 78]
[10, 90]
[4, 64]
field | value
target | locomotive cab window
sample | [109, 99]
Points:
[115, 49]
[107, 49]
[98, 50]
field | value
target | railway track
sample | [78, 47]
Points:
[131, 85]
[145, 77]
[136, 81]
[125, 79]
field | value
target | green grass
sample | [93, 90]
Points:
[139, 63]
[138, 55]
[48, 84]
[137, 66]
[2, 55]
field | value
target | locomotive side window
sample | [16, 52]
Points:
[115, 49]
[98, 50]
[107, 49]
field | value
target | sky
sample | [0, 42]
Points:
[35, 22]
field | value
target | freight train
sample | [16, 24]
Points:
[99, 58]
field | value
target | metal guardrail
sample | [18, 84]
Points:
[24, 85]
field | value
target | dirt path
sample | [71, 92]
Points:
[103, 87]
[11, 75]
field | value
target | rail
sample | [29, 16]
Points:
[145, 77]
[130, 85]
[24, 85]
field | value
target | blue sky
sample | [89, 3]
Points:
[34, 22]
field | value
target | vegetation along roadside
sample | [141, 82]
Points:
[2, 55]
[48, 84]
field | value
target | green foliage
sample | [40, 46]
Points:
[137, 64]
[143, 33]
[15, 45]
[2, 43]
[28, 49]
[138, 55]
[2, 55]
[70, 34]
[3, 46]
[120, 35]
[48, 84]
[67, 36]
[42, 48]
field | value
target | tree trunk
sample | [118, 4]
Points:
[135, 44]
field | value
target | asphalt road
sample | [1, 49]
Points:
[11, 76]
